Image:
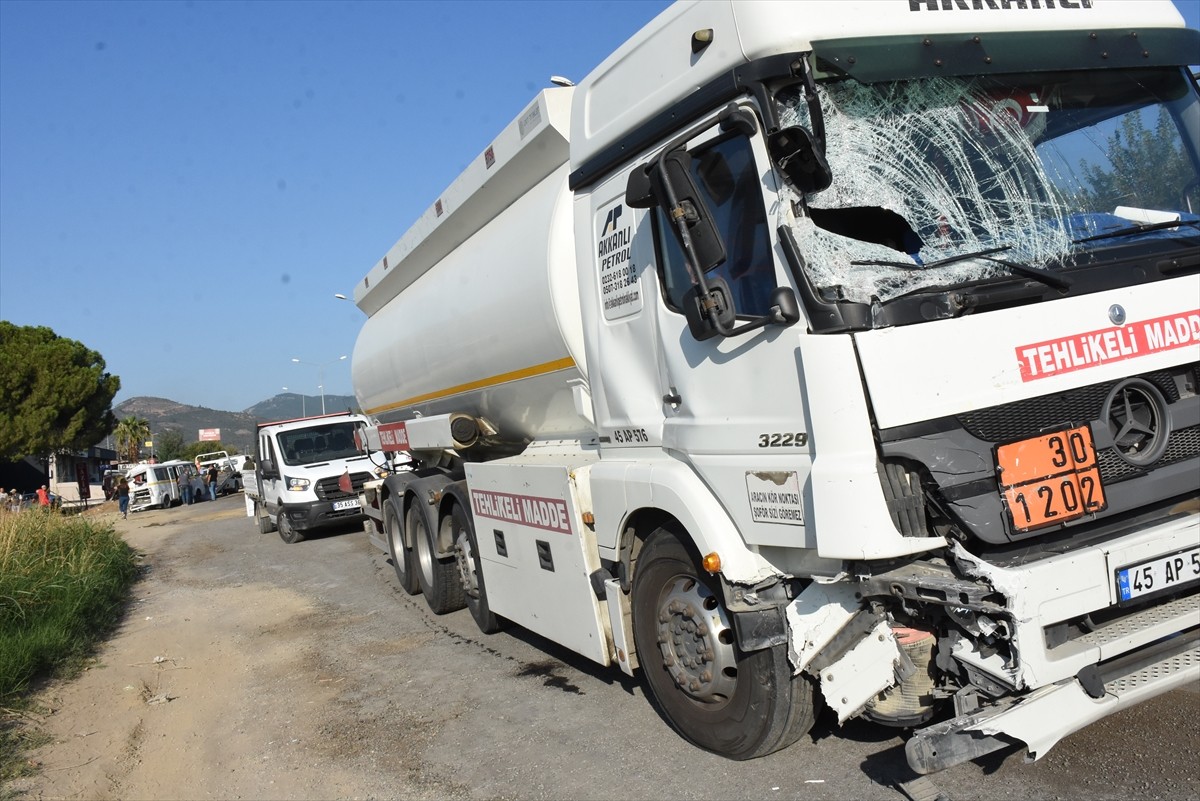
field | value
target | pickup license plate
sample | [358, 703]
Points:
[1050, 479]
[1158, 574]
[350, 504]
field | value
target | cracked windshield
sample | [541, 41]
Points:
[951, 180]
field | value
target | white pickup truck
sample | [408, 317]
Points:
[307, 474]
[229, 477]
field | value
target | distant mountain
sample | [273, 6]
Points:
[237, 428]
[290, 404]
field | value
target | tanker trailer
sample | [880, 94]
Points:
[484, 294]
[806, 367]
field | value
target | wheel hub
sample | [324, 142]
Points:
[466, 564]
[696, 641]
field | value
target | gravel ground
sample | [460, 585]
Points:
[247, 668]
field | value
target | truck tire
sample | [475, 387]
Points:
[286, 532]
[265, 524]
[166, 502]
[739, 705]
[402, 556]
[438, 578]
[470, 571]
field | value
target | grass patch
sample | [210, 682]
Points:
[63, 585]
[16, 739]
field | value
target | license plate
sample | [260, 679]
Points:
[1160, 573]
[350, 504]
[1050, 479]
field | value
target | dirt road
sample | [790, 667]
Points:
[247, 668]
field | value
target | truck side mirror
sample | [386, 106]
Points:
[267, 467]
[785, 310]
[799, 159]
[686, 209]
[712, 314]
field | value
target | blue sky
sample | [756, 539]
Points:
[184, 186]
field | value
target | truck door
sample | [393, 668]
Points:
[733, 406]
[270, 473]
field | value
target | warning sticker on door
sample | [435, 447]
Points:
[774, 497]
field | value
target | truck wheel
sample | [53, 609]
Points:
[286, 532]
[402, 557]
[740, 705]
[265, 524]
[166, 502]
[438, 578]
[470, 572]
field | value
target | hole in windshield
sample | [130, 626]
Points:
[927, 170]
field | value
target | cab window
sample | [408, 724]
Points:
[725, 173]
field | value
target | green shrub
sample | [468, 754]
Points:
[63, 583]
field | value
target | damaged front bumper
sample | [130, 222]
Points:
[1032, 649]
[1046, 715]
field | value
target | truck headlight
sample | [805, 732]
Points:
[297, 484]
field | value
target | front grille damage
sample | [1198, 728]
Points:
[1146, 431]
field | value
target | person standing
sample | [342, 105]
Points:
[213, 473]
[123, 497]
[185, 486]
[43, 496]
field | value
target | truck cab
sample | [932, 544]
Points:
[923, 306]
[307, 474]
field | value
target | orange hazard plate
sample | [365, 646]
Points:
[1050, 479]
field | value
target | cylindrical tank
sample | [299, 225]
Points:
[492, 329]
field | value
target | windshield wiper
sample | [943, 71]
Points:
[1139, 228]
[1046, 277]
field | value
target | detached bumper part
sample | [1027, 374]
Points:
[1045, 716]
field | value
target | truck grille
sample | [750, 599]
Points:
[1021, 419]
[1139, 465]
[327, 488]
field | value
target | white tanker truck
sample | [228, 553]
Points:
[820, 352]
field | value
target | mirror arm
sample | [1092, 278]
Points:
[774, 317]
[677, 214]
[816, 116]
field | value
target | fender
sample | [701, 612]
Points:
[849, 515]
[672, 487]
